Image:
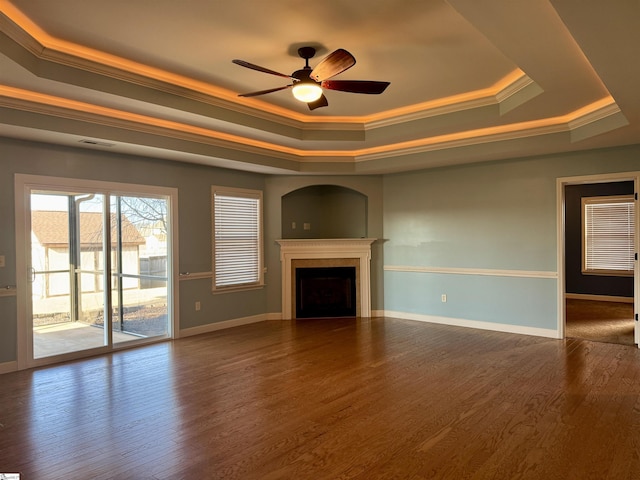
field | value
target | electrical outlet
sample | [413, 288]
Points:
[444, 298]
[1, 261]
[197, 306]
[307, 226]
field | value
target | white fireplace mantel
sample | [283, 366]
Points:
[330, 248]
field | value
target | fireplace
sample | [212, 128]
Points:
[330, 261]
[325, 292]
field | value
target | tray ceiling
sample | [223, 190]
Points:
[470, 81]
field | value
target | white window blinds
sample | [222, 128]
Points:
[608, 235]
[237, 238]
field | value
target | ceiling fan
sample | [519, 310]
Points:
[308, 83]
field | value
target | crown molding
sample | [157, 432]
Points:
[446, 142]
[516, 86]
[139, 123]
[429, 112]
[38, 43]
[64, 108]
[595, 115]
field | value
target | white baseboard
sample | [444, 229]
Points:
[458, 322]
[7, 367]
[212, 327]
[598, 298]
[455, 322]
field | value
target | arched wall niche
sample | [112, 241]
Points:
[324, 211]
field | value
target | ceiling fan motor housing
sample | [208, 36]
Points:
[303, 75]
[307, 52]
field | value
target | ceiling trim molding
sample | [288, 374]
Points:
[595, 115]
[59, 107]
[70, 109]
[446, 142]
[435, 111]
[501, 91]
[516, 86]
[45, 47]
[12, 29]
[589, 115]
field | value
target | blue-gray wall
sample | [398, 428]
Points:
[329, 210]
[194, 215]
[457, 230]
[477, 218]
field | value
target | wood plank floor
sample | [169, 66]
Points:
[331, 399]
[610, 322]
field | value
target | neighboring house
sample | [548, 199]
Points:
[50, 252]
[153, 255]
[156, 240]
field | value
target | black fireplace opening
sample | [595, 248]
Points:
[325, 292]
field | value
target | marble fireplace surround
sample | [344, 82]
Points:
[333, 252]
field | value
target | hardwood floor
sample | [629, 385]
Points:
[599, 321]
[331, 399]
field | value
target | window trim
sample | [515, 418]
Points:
[242, 193]
[600, 200]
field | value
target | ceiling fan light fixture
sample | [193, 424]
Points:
[309, 83]
[307, 91]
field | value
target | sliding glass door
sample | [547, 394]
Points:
[98, 271]
[139, 263]
[67, 268]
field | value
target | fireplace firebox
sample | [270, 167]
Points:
[323, 292]
[326, 253]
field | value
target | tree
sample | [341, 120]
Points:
[146, 213]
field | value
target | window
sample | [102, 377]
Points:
[237, 238]
[608, 235]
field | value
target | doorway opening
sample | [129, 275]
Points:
[595, 303]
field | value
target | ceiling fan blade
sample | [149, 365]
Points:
[321, 102]
[333, 64]
[262, 92]
[242, 63]
[356, 86]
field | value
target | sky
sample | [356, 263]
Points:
[58, 203]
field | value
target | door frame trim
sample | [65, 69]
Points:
[560, 232]
[23, 185]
